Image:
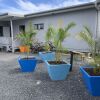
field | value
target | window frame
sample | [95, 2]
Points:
[23, 29]
[1, 34]
[39, 26]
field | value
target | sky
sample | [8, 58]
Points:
[32, 6]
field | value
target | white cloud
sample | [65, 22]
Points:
[25, 6]
[31, 7]
[13, 10]
[73, 2]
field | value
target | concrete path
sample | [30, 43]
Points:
[7, 56]
[16, 85]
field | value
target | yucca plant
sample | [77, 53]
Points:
[27, 38]
[57, 37]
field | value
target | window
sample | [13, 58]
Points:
[21, 28]
[39, 26]
[1, 30]
[36, 26]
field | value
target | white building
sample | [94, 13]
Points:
[85, 14]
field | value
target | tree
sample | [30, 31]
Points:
[58, 36]
[27, 37]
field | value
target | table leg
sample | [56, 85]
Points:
[71, 60]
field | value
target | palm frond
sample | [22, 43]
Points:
[69, 26]
[49, 33]
[88, 31]
[58, 36]
[27, 37]
[87, 38]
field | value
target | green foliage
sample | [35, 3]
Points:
[61, 34]
[69, 26]
[27, 37]
[48, 37]
[86, 35]
[57, 36]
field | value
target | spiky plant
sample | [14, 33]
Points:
[86, 35]
[58, 36]
[48, 37]
[27, 37]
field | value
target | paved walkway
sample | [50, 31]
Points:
[15, 85]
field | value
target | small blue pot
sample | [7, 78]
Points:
[92, 82]
[58, 72]
[47, 55]
[27, 65]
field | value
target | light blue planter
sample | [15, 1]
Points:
[58, 72]
[47, 55]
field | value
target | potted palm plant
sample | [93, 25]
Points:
[27, 63]
[91, 72]
[48, 54]
[58, 69]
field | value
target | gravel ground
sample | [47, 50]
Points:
[16, 85]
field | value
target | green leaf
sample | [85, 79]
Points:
[27, 37]
[57, 36]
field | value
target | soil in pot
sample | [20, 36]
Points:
[28, 58]
[93, 71]
[56, 62]
[47, 52]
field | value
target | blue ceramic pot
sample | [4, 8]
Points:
[27, 65]
[92, 82]
[58, 71]
[47, 55]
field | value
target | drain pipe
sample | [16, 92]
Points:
[97, 19]
[97, 35]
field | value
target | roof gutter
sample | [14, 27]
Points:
[62, 10]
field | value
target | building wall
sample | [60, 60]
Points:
[98, 31]
[83, 17]
[6, 31]
[6, 28]
[16, 24]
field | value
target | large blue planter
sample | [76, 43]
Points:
[27, 65]
[47, 55]
[92, 82]
[58, 72]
